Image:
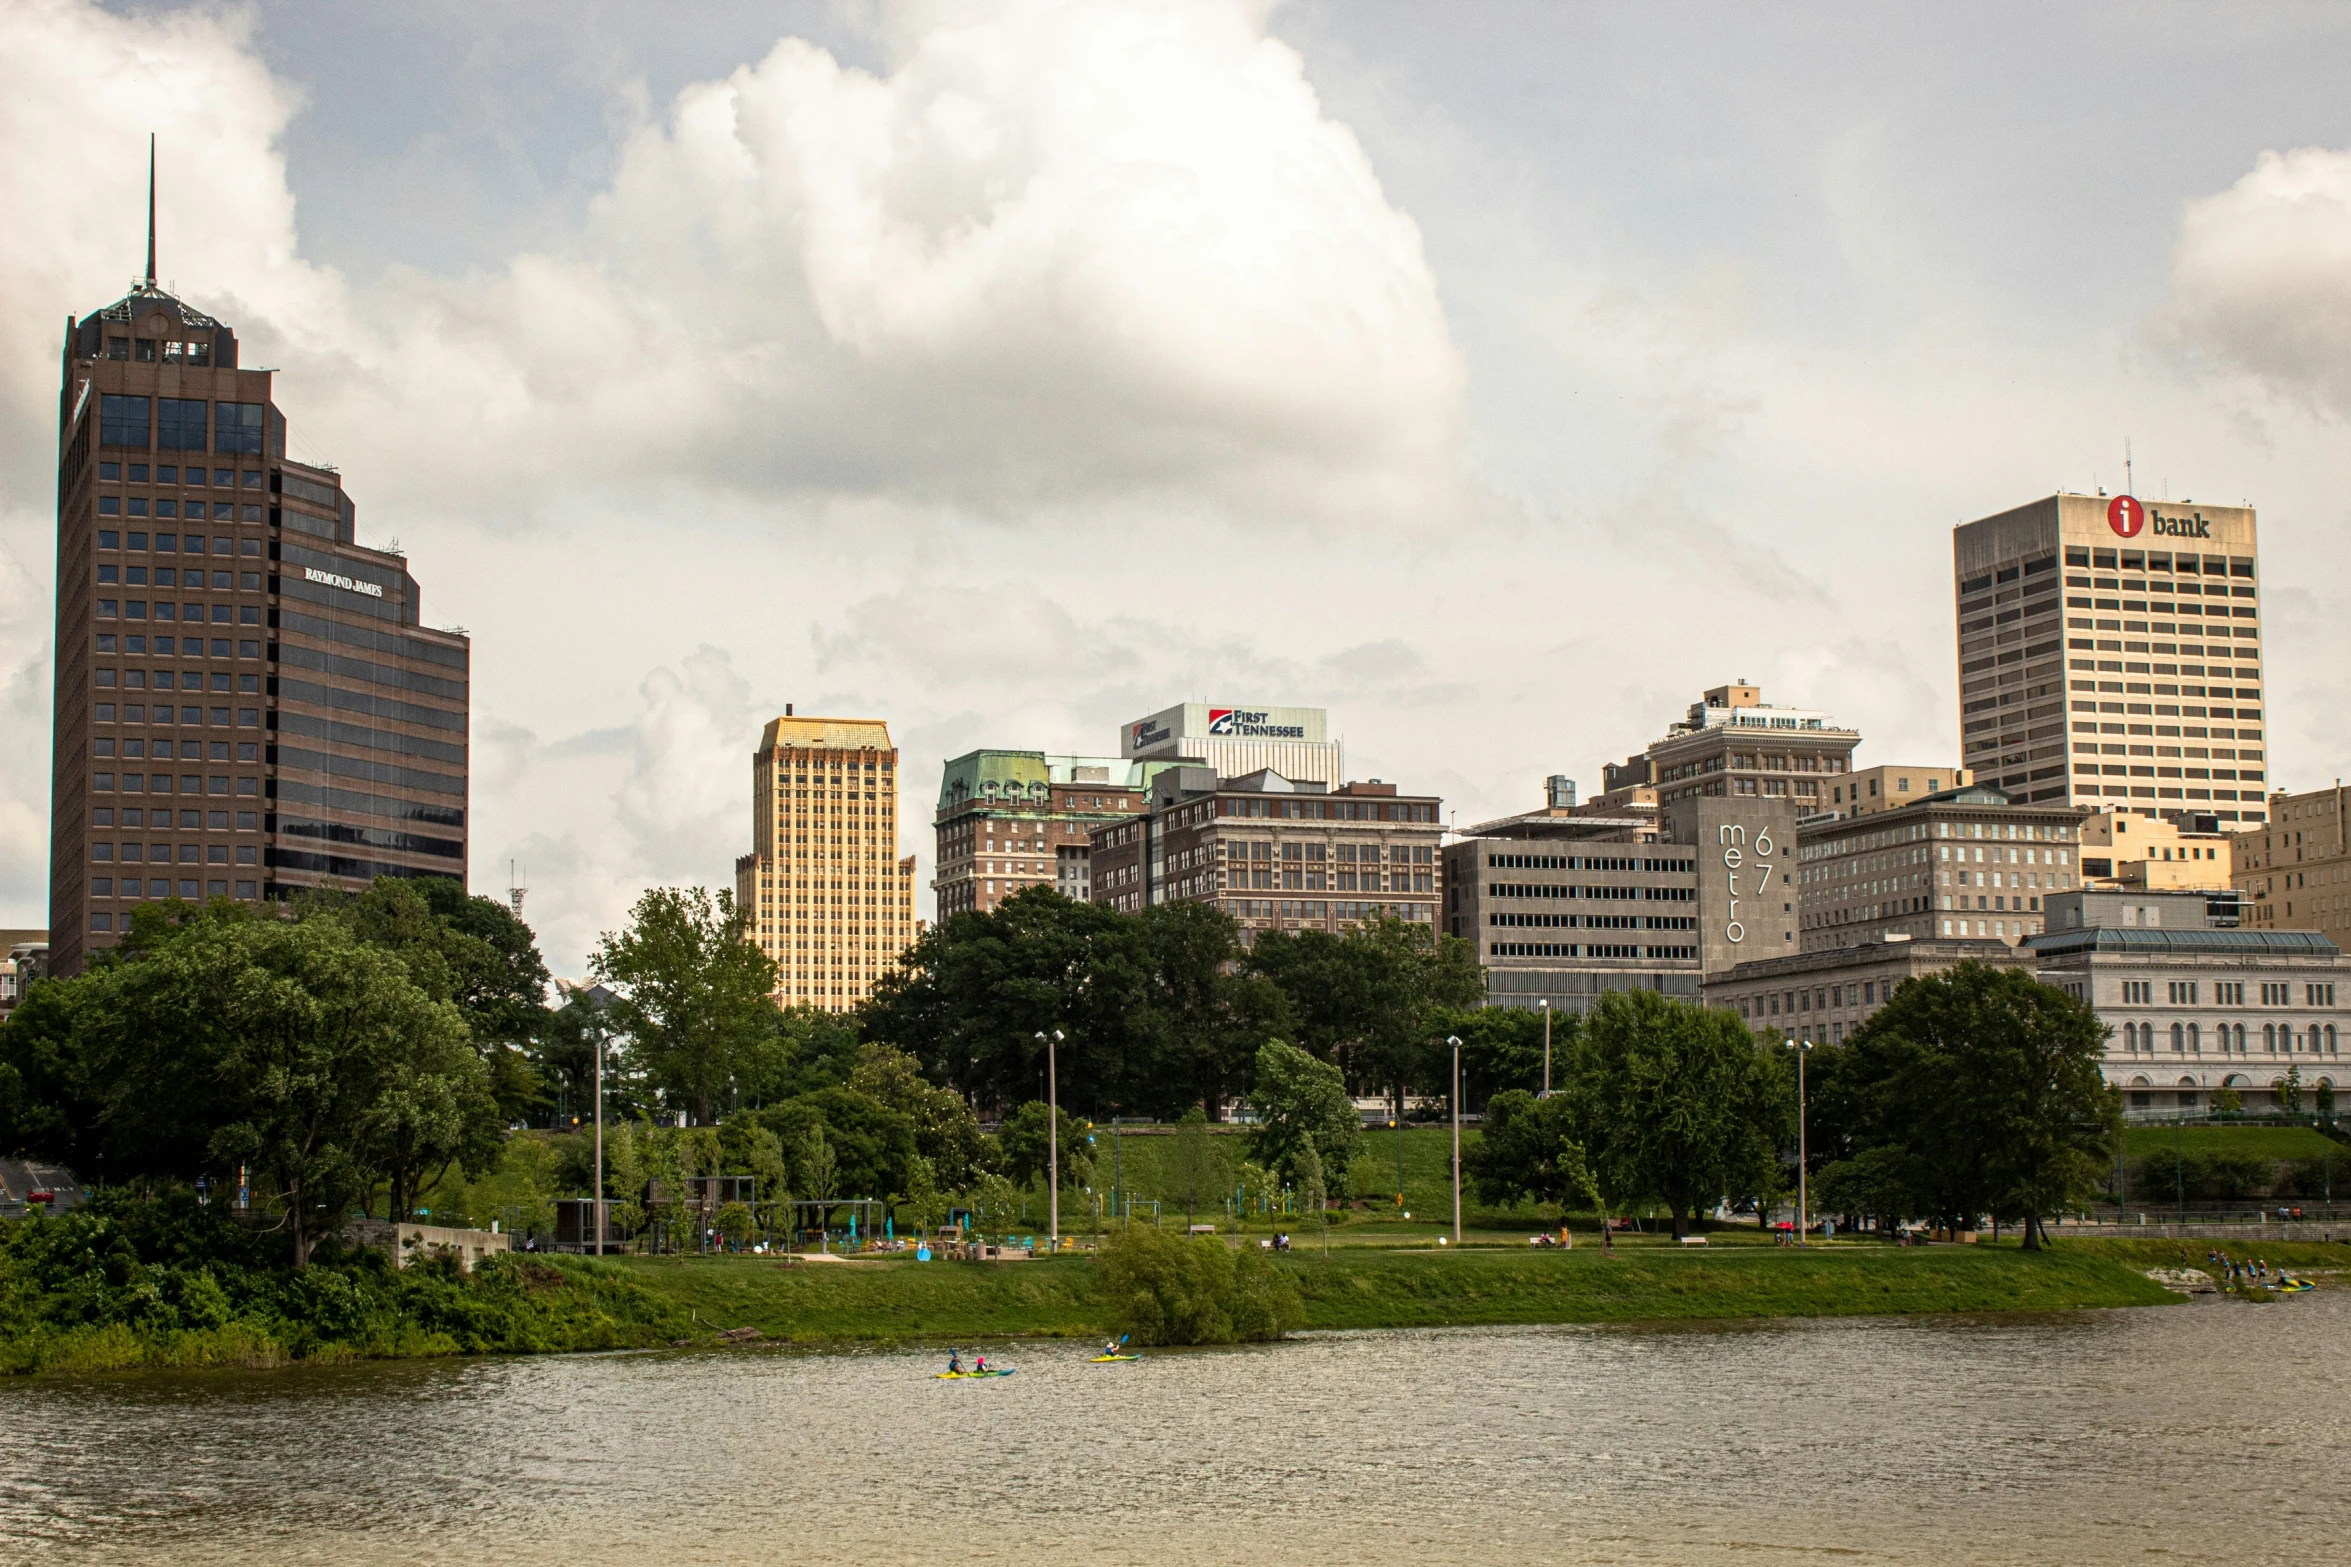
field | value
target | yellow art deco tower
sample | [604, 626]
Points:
[823, 891]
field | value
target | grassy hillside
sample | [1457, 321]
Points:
[1427, 1170]
[899, 1301]
[2258, 1142]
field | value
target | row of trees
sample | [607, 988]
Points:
[348, 1055]
[1155, 1012]
[1973, 1092]
[358, 1050]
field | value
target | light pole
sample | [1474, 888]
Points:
[599, 1192]
[1053, 1134]
[1455, 1041]
[1545, 1004]
[1803, 1196]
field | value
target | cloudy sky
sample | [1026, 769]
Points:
[1497, 376]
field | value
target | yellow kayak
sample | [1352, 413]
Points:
[1099, 1360]
[967, 1376]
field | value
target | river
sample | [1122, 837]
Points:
[2214, 1430]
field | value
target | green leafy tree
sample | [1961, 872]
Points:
[1502, 1049]
[1372, 999]
[288, 1047]
[1876, 1183]
[1992, 1083]
[1301, 1103]
[1022, 1147]
[1201, 1021]
[1195, 1167]
[971, 996]
[1161, 1288]
[627, 1173]
[820, 1174]
[434, 1110]
[1255, 1189]
[873, 1146]
[1313, 1195]
[924, 1203]
[472, 951]
[2290, 1089]
[1527, 1151]
[693, 996]
[1676, 1100]
[995, 1207]
[815, 1049]
[946, 1133]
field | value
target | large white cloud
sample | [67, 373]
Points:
[1061, 254]
[2261, 277]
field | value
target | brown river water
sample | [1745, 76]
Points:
[2210, 1431]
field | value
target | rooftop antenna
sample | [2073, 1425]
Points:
[150, 209]
[2130, 485]
[514, 892]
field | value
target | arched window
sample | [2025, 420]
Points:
[2240, 1039]
[2195, 1043]
[2269, 1038]
[2330, 1039]
[2179, 1039]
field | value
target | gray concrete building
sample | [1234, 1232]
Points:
[1826, 993]
[1565, 906]
[1963, 864]
[1732, 744]
[2194, 1009]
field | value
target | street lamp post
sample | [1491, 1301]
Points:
[1803, 1195]
[599, 1192]
[1052, 1134]
[1545, 1004]
[1455, 1041]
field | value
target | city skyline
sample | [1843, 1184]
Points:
[1570, 424]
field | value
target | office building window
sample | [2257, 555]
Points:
[122, 421]
[237, 427]
[179, 425]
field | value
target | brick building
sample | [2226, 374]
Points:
[1275, 853]
[1010, 820]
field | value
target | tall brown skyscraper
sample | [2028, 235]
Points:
[247, 702]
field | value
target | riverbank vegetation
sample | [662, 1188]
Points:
[393, 1053]
[132, 1282]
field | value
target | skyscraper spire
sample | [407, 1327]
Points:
[150, 209]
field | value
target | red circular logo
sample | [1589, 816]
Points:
[2126, 516]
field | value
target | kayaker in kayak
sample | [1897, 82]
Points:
[979, 1365]
[1112, 1348]
[955, 1362]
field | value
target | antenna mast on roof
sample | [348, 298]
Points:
[2130, 486]
[150, 209]
[514, 892]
